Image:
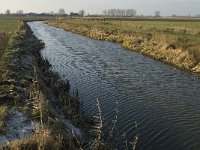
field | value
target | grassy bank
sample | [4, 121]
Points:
[171, 41]
[28, 86]
[8, 28]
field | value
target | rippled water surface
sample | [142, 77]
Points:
[164, 101]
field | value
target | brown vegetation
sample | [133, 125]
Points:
[178, 46]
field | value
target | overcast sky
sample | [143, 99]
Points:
[144, 7]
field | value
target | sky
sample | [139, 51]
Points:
[143, 7]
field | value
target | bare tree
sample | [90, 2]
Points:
[120, 12]
[7, 12]
[105, 12]
[157, 13]
[123, 12]
[19, 12]
[131, 12]
[112, 12]
[134, 12]
[52, 13]
[81, 12]
[61, 12]
[174, 15]
[109, 12]
[197, 15]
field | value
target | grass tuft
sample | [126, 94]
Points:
[3, 114]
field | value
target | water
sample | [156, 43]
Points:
[164, 101]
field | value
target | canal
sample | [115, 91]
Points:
[163, 101]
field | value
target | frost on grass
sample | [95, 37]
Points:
[17, 127]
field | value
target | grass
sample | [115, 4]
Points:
[3, 42]
[171, 41]
[44, 139]
[3, 114]
[23, 52]
[139, 25]
[15, 89]
[7, 29]
[51, 132]
[9, 25]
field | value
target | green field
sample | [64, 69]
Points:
[7, 28]
[177, 28]
[175, 31]
[172, 29]
[8, 25]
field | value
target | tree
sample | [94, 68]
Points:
[81, 12]
[74, 14]
[131, 12]
[105, 12]
[112, 12]
[19, 12]
[51, 13]
[173, 15]
[61, 12]
[157, 13]
[123, 12]
[7, 12]
[134, 12]
[197, 15]
[120, 12]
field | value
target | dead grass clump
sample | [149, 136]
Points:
[51, 133]
[3, 114]
[195, 51]
[43, 139]
[99, 144]
[4, 38]
[98, 128]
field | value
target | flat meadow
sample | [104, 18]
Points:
[7, 27]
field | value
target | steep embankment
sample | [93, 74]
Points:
[30, 95]
[178, 52]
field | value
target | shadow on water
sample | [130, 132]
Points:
[163, 100]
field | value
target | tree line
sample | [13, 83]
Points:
[61, 12]
[120, 12]
[81, 13]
